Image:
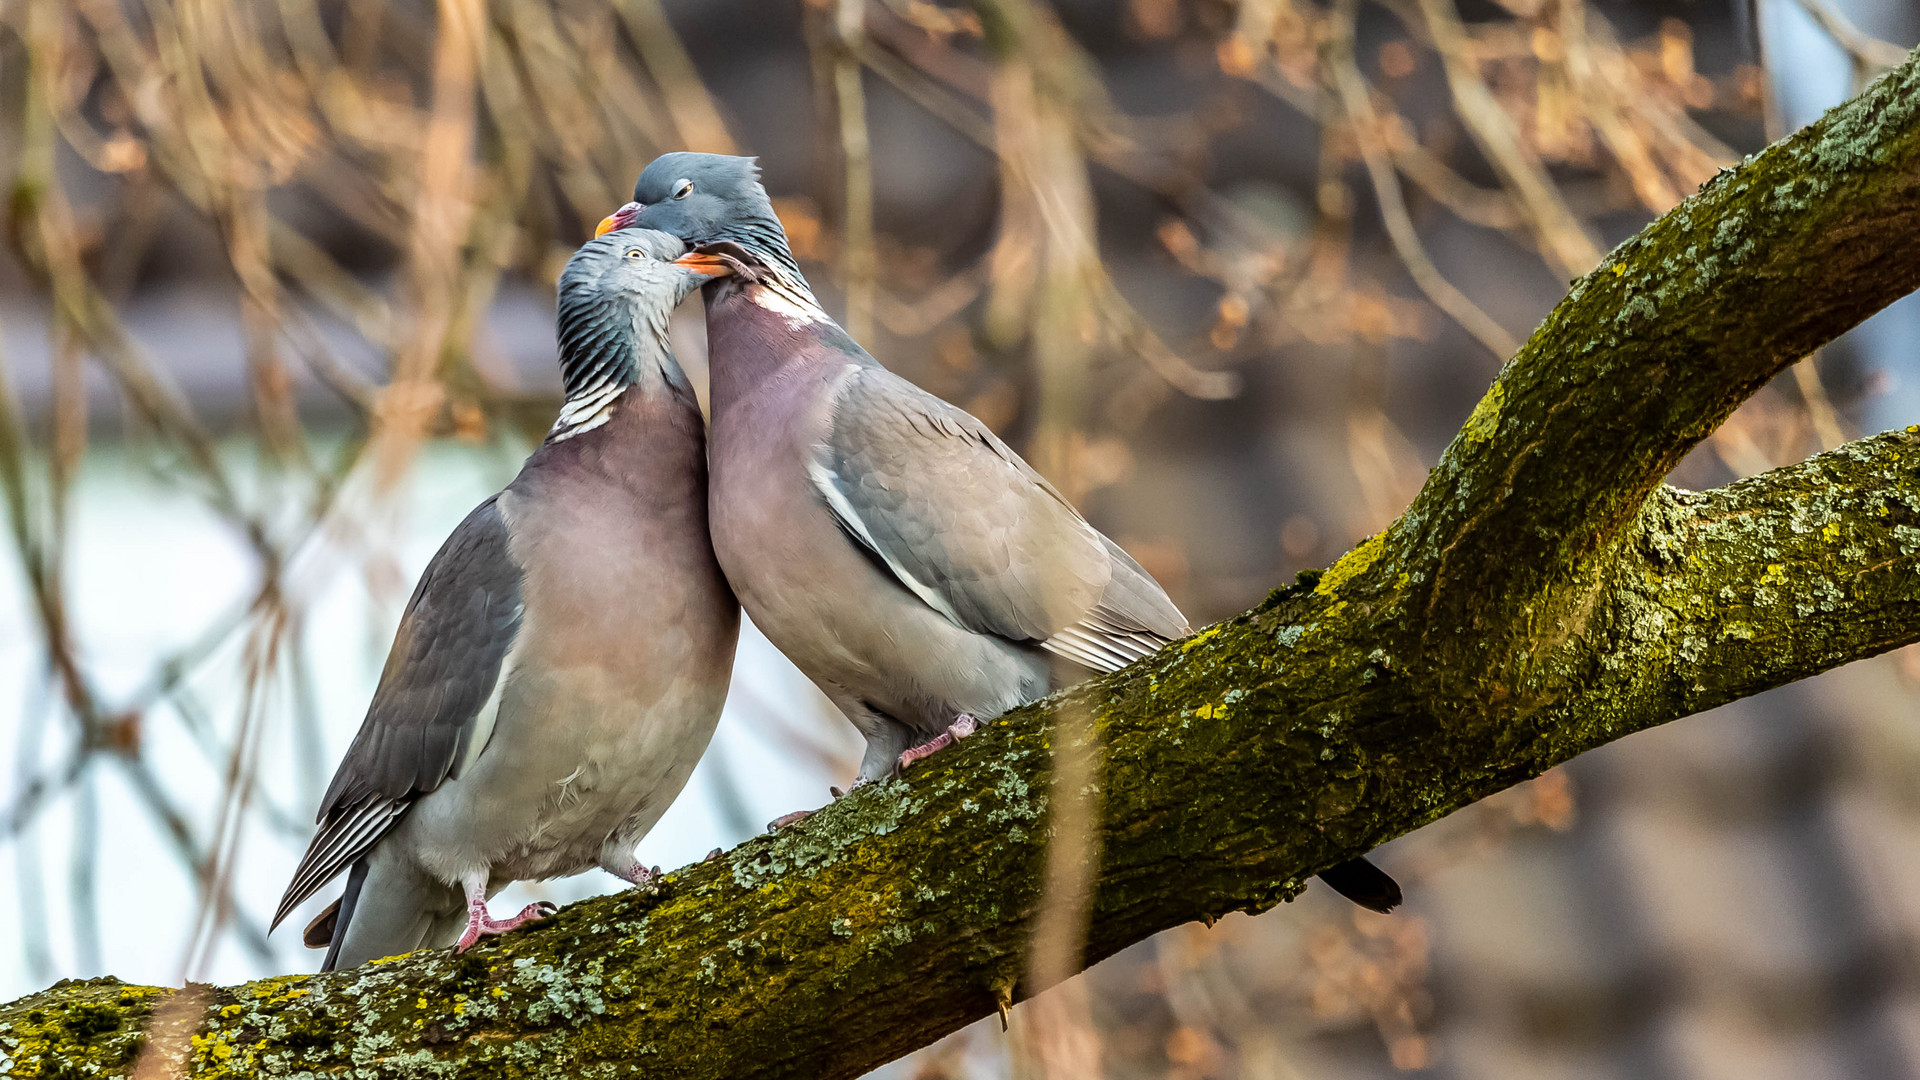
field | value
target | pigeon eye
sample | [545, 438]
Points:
[682, 188]
[635, 254]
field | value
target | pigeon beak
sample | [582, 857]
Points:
[622, 218]
[702, 263]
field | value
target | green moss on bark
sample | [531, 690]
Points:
[75, 1028]
[1289, 739]
[1653, 349]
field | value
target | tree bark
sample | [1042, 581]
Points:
[1544, 595]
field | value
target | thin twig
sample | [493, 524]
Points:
[858, 262]
[695, 117]
[1560, 236]
[1826, 422]
[1365, 124]
[1869, 54]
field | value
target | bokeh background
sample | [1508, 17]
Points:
[276, 311]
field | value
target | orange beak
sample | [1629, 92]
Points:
[622, 218]
[710, 265]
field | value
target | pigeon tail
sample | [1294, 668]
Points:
[338, 916]
[1365, 884]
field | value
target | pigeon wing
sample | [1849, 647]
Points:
[433, 709]
[975, 532]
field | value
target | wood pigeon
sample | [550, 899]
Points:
[562, 663]
[904, 558]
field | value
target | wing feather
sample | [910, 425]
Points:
[340, 841]
[436, 697]
[971, 529]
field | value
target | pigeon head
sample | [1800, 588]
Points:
[707, 199]
[615, 297]
[643, 267]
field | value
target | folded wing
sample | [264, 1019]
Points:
[434, 708]
[975, 532]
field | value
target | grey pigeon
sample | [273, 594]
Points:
[562, 663]
[905, 559]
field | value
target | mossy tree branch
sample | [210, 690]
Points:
[1650, 352]
[1543, 596]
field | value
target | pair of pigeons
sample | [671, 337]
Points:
[562, 663]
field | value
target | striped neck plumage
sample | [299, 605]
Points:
[759, 231]
[606, 346]
[782, 288]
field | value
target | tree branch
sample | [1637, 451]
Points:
[1542, 597]
[1650, 352]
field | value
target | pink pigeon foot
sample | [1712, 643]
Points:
[785, 820]
[635, 874]
[962, 726]
[479, 925]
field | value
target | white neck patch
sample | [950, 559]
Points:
[791, 301]
[586, 411]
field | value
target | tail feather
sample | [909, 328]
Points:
[390, 907]
[1365, 884]
[342, 910]
[319, 932]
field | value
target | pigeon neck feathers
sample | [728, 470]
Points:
[758, 230]
[606, 347]
[766, 271]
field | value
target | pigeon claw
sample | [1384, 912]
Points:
[785, 820]
[479, 925]
[632, 871]
[962, 726]
[639, 876]
[858, 783]
[798, 816]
